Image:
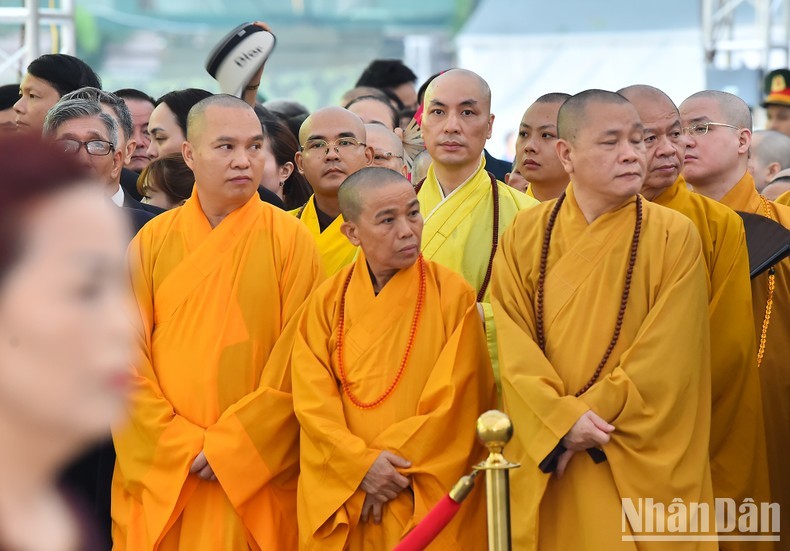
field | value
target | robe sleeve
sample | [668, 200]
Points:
[156, 447]
[332, 458]
[255, 441]
[533, 391]
[439, 439]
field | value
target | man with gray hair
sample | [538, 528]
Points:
[770, 154]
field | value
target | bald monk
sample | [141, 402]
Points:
[737, 443]
[602, 412]
[332, 147]
[465, 208]
[769, 154]
[778, 191]
[387, 148]
[719, 125]
[536, 152]
[393, 371]
[209, 459]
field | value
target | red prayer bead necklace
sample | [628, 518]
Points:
[544, 255]
[412, 334]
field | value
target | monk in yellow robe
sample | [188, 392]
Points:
[719, 126]
[783, 199]
[536, 152]
[392, 373]
[465, 208]
[737, 443]
[332, 147]
[209, 459]
[591, 439]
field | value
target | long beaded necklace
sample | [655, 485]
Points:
[544, 255]
[494, 237]
[770, 302]
[412, 334]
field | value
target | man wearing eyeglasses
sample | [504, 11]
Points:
[387, 148]
[716, 160]
[737, 440]
[332, 147]
[81, 128]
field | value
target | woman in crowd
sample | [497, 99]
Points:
[166, 182]
[279, 175]
[168, 123]
[64, 339]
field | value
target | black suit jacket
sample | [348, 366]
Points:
[132, 203]
[129, 183]
[496, 166]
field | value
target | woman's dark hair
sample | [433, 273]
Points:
[424, 87]
[171, 175]
[64, 72]
[32, 170]
[9, 95]
[394, 117]
[133, 93]
[296, 190]
[181, 101]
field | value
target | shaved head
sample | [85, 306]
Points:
[553, 97]
[339, 117]
[641, 94]
[463, 79]
[379, 136]
[573, 113]
[363, 184]
[734, 110]
[197, 114]
[771, 146]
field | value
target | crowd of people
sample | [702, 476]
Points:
[323, 303]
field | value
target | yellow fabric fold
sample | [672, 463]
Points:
[336, 251]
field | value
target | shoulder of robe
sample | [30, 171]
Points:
[783, 213]
[452, 286]
[156, 229]
[677, 230]
[519, 199]
[723, 222]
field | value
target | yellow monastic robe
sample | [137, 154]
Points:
[737, 444]
[459, 230]
[784, 199]
[428, 419]
[775, 368]
[213, 303]
[655, 388]
[530, 192]
[336, 251]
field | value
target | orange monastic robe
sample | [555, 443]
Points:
[784, 199]
[737, 445]
[655, 388]
[213, 303]
[775, 368]
[429, 418]
[336, 251]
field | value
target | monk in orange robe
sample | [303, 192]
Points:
[719, 127]
[601, 305]
[739, 467]
[209, 459]
[332, 147]
[392, 373]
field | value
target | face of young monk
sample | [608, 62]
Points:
[665, 143]
[607, 156]
[226, 155]
[389, 226]
[326, 167]
[65, 334]
[711, 156]
[457, 121]
[536, 151]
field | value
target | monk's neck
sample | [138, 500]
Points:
[379, 277]
[717, 187]
[216, 212]
[327, 204]
[546, 191]
[653, 193]
[451, 177]
[593, 205]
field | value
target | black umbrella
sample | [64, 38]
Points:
[768, 242]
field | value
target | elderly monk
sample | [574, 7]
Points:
[536, 151]
[719, 125]
[465, 208]
[387, 148]
[210, 457]
[737, 443]
[392, 373]
[603, 336]
[332, 147]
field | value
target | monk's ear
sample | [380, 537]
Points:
[563, 149]
[773, 169]
[188, 152]
[349, 229]
[369, 154]
[744, 140]
[299, 160]
[490, 126]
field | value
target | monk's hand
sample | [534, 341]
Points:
[383, 482]
[201, 468]
[371, 509]
[590, 431]
[562, 462]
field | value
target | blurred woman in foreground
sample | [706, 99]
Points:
[64, 339]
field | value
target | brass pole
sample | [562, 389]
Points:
[494, 429]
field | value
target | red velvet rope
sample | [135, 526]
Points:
[424, 533]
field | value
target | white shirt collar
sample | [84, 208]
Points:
[117, 197]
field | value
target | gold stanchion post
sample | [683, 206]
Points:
[494, 429]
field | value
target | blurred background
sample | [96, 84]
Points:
[523, 48]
